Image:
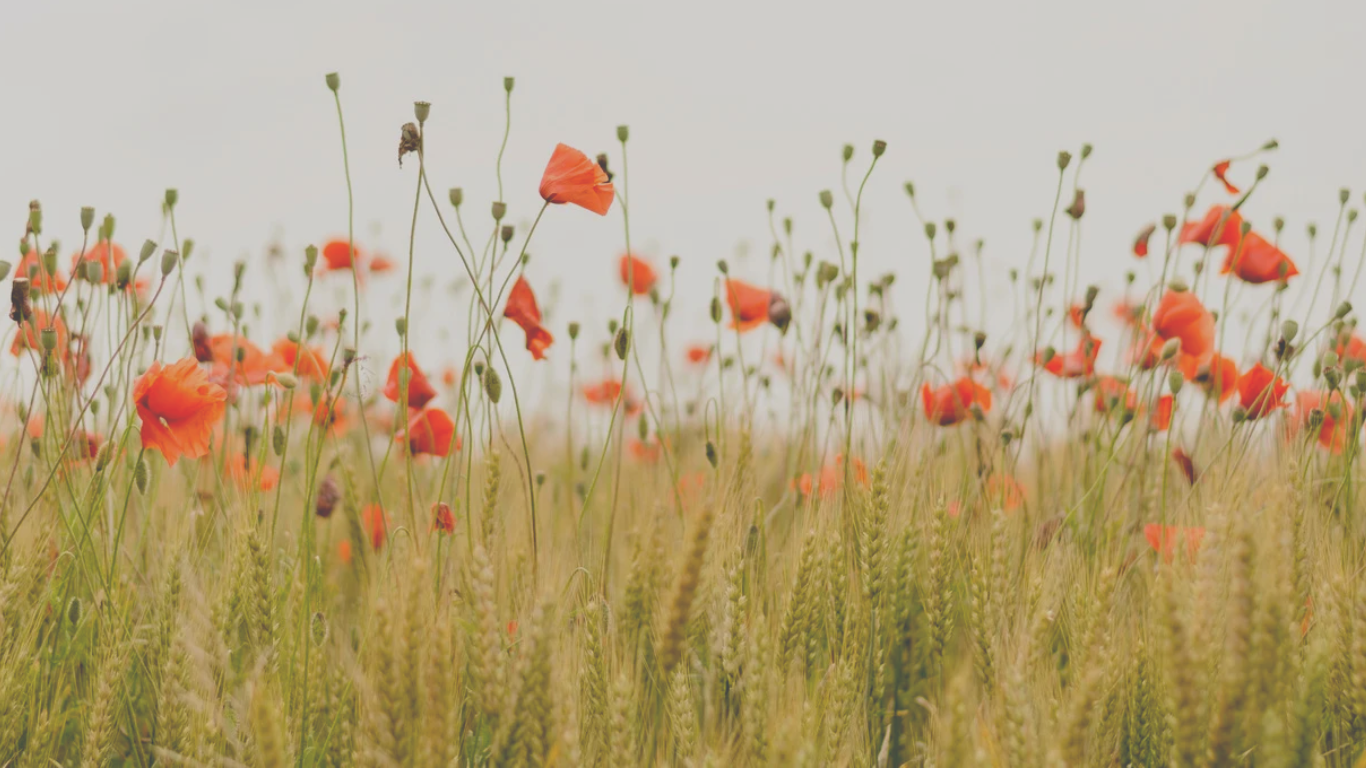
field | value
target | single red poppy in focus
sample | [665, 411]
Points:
[443, 520]
[420, 390]
[951, 404]
[571, 177]
[522, 309]
[1221, 226]
[638, 274]
[40, 280]
[376, 524]
[699, 354]
[341, 254]
[309, 359]
[1163, 538]
[1180, 315]
[430, 431]
[748, 305]
[1257, 261]
[108, 255]
[1186, 464]
[1335, 431]
[1220, 173]
[1075, 364]
[179, 409]
[1141, 240]
[1260, 392]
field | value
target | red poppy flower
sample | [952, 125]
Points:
[376, 524]
[638, 274]
[642, 450]
[338, 254]
[311, 363]
[430, 431]
[30, 333]
[1005, 492]
[1260, 391]
[952, 403]
[1257, 261]
[1218, 377]
[101, 252]
[443, 520]
[1075, 364]
[344, 551]
[179, 408]
[238, 354]
[1351, 347]
[1128, 314]
[1221, 226]
[40, 281]
[521, 309]
[1220, 171]
[1337, 418]
[420, 390]
[1185, 463]
[1162, 415]
[831, 478]
[1112, 392]
[748, 305]
[605, 393]
[1076, 314]
[243, 473]
[571, 177]
[1141, 240]
[1180, 315]
[381, 264]
[1162, 538]
[699, 354]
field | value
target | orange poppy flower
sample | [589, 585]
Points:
[338, 254]
[179, 409]
[1185, 463]
[251, 364]
[311, 363]
[101, 253]
[748, 305]
[1180, 315]
[571, 177]
[376, 524]
[29, 335]
[1141, 240]
[1161, 419]
[642, 450]
[1218, 377]
[1337, 418]
[1004, 491]
[40, 281]
[420, 390]
[638, 274]
[443, 520]
[699, 354]
[330, 414]
[1075, 364]
[1128, 314]
[1257, 261]
[243, 473]
[1351, 347]
[344, 551]
[521, 309]
[831, 478]
[1112, 392]
[691, 487]
[952, 403]
[381, 264]
[1162, 538]
[1220, 171]
[1260, 392]
[430, 431]
[1221, 226]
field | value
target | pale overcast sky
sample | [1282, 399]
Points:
[729, 104]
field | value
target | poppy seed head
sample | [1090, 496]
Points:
[421, 110]
[87, 218]
[333, 81]
[457, 196]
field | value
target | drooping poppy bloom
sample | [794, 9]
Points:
[443, 520]
[430, 431]
[637, 274]
[1004, 492]
[1075, 364]
[1221, 173]
[1163, 538]
[748, 305]
[108, 255]
[40, 280]
[179, 408]
[522, 309]
[247, 361]
[1185, 463]
[376, 524]
[699, 354]
[340, 254]
[1260, 392]
[1335, 431]
[244, 473]
[571, 177]
[29, 335]
[309, 359]
[1180, 315]
[1258, 261]
[951, 404]
[1221, 226]
[420, 390]
[1141, 240]
[1218, 377]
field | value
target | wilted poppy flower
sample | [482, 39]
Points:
[443, 520]
[1163, 538]
[1335, 431]
[243, 473]
[30, 333]
[236, 353]
[1220, 173]
[40, 280]
[1180, 315]
[1218, 377]
[1141, 240]
[309, 359]
[338, 254]
[1260, 391]
[376, 524]
[1075, 364]
[1257, 261]
[638, 274]
[571, 177]
[748, 305]
[1185, 463]
[108, 255]
[430, 431]
[420, 391]
[179, 408]
[521, 309]
[699, 354]
[952, 403]
[1004, 491]
[1221, 226]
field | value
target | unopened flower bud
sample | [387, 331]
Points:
[508, 82]
[1344, 309]
[172, 197]
[94, 271]
[622, 343]
[711, 454]
[715, 310]
[1085, 151]
[456, 195]
[493, 385]
[1170, 349]
[329, 493]
[827, 199]
[140, 476]
[401, 325]
[847, 154]
[277, 440]
[929, 230]
[1262, 171]
[333, 81]
[1175, 382]
[573, 331]
[910, 190]
[5, 267]
[623, 133]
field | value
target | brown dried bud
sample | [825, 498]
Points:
[409, 141]
[328, 496]
[1078, 207]
[779, 312]
[20, 310]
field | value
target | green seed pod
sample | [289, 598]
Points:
[333, 81]
[310, 259]
[499, 210]
[401, 325]
[622, 343]
[73, 610]
[715, 310]
[827, 199]
[140, 476]
[1175, 382]
[623, 133]
[493, 385]
[172, 197]
[105, 455]
[1289, 329]
[1344, 309]
[711, 454]
[277, 440]
[456, 195]
[168, 262]
[879, 146]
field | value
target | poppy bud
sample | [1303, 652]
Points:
[779, 313]
[172, 197]
[421, 109]
[506, 233]
[287, 380]
[50, 260]
[1169, 222]
[35, 217]
[1343, 310]
[827, 199]
[1170, 349]
[711, 454]
[277, 440]
[1064, 159]
[573, 331]
[1329, 359]
[107, 228]
[622, 343]
[1262, 171]
[18, 296]
[715, 310]
[401, 325]
[1351, 217]
[826, 273]
[493, 385]
[929, 230]
[910, 189]
[1085, 151]
[872, 320]
[1316, 419]
[879, 146]
[1317, 368]
[140, 476]
[847, 153]
[73, 610]
[500, 210]
[1333, 376]
[1175, 382]
[950, 225]
[1178, 285]
[123, 275]
[623, 133]
[5, 267]
[328, 496]
[168, 262]
[642, 428]
[1289, 329]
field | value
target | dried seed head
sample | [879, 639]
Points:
[409, 140]
[1078, 207]
[168, 261]
[499, 210]
[328, 496]
[1064, 160]
[506, 232]
[779, 313]
[20, 310]
[879, 146]
[172, 197]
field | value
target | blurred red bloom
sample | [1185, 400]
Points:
[376, 524]
[1162, 415]
[1180, 315]
[179, 408]
[1075, 364]
[1218, 377]
[1162, 538]
[1335, 431]
[1258, 261]
[638, 274]
[748, 305]
[30, 332]
[443, 520]
[605, 393]
[522, 309]
[430, 431]
[1351, 347]
[344, 551]
[952, 403]
[381, 264]
[571, 177]
[236, 353]
[699, 354]
[1076, 314]
[1141, 240]
[1005, 492]
[831, 478]
[341, 254]
[1220, 171]
[1112, 392]
[40, 280]
[1185, 463]
[643, 450]
[311, 363]
[101, 252]
[1221, 226]
[420, 390]
[1260, 391]
[243, 473]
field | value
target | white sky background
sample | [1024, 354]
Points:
[729, 104]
